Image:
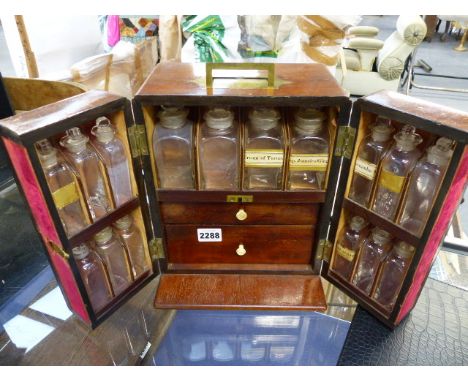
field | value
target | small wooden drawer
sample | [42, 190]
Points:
[234, 213]
[241, 245]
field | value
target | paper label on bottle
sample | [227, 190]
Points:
[365, 168]
[66, 195]
[209, 234]
[308, 162]
[391, 182]
[263, 158]
[346, 253]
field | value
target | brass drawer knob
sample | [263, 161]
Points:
[241, 214]
[241, 250]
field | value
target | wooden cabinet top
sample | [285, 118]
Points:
[295, 84]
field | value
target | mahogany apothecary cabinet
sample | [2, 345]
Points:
[274, 245]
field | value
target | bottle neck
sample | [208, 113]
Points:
[312, 129]
[378, 136]
[405, 146]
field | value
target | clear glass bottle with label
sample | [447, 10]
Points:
[173, 149]
[370, 152]
[113, 155]
[114, 256]
[133, 241]
[219, 151]
[396, 166]
[309, 156]
[63, 187]
[264, 150]
[86, 163]
[94, 277]
[392, 274]
[374, 249]
[422, 188]
[347, 246]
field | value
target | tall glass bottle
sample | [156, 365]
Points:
[374, 249]
[397, 164]
[370, 152]
[264, 150]
[348, 245]
[63, 187]
[219, 151]
[87, 164]
[173, 149]
[113, 155]
[133, 241]
[422, 188]
[310, 143]
[392, 274]
[114, 256]
[93, 275]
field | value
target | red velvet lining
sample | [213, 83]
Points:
[441, 225]
[44, 223]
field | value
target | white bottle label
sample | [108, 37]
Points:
[209, 234]
[308, 162]
[365, 168]
[263, 158]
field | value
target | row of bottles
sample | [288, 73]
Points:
[110, 264]
[77, 174]
[405, 183]
[371, 261]
[219, 150]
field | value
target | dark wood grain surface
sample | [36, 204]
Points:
[242, 268]
[186, 196]
[264, 244]
[435, 118]
[272, 292]
[295, 83]
[60, 115]
[225, 213]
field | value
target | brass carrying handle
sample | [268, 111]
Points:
[260, 66]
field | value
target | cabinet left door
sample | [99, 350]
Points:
[80, 175]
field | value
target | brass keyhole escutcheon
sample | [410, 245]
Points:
[241, 251]
[241, 214]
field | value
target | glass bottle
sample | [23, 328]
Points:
[370, 152]
[374, 249]
[133, 242]
[64, 189]
[397, 164]
[87, 164]
[112, 153]
[173, 149]
[114, 256]
[264, 150]
[392, 274]
[93, 274]
[310, 143]
[348, 245]
[422, 188]
[219, 151]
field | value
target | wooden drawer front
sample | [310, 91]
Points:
[263, 245]
[225, 213]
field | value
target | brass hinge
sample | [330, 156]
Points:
[138, 141]
[324, 250]
[156, 248]
[345, 141]
[58, 250]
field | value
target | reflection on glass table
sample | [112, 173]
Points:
[256, 338]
